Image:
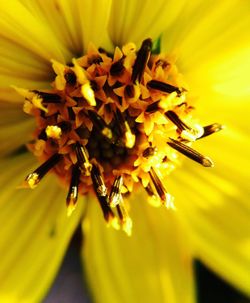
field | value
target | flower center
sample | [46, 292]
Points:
[112, 123]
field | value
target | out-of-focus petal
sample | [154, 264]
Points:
[34, 235]
[15, 127]
[211, 43]
[134, 21]
[153, 265]
[213, 205]
[75, 23]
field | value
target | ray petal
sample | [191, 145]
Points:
[134, 21]
[34, 235]
[214, 207]
[153, 265]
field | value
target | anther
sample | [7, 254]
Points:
[165, 197]
[211, 129]
[53, 131]
[35, 177]
[83, 158]
[153, 107]
[164, 87]
[98, 182]
[101, 193]
[190, 153]
[173, 117]
[70, 78]
[148, 152]
[141, 60]
[115, 196]
[125, 220]
[117, 68]
[48, 97]
[73, 189]
[129, 91]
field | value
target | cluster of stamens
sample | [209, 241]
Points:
[112, 122]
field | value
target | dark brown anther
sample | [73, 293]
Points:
[160, 189]
[190, 153]
[70, 78]
[115, 196]
[101, 193]
[98, 182]
[35, 177]
[83, 158]
[153, 107]
[48, 97]
[148, 152]
[141, 60]
[164, 87]
[117, 68]
[95, 59]
[211, 129]
[129, 91]
[73, 189]
[173, 117]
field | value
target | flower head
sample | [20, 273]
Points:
[111, 120]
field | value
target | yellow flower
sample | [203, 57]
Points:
[211, 48]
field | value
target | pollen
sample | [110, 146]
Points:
[114, 123]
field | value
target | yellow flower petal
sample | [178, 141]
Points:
[74, 23]
[153, 265]
[22, 28]
[214, 207]
[15, 127]
[34, 235]
[136, 20]
[213, 41]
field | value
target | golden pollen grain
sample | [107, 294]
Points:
[112, 123]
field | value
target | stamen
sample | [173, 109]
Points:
[73, 189]
[70, 78]
[141, 60]
[48, 97]
[101, 193]
[211, 129]
[164, 87]
[148, 152]
[115, 196]
[126, 221]
[165, 197]
[129, 91]
[190, 153]
[173, 117]
[83, 158]
[36, 176]
[117, 68]
[98, 183]
[53, 131]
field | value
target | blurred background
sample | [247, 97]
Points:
[69, 284]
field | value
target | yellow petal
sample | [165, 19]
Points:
[21, 27]
[34, 235]
[213, 41]
[137, 20]
[15, 127]
[153, 265]
[213, 205]
[74, 23]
